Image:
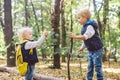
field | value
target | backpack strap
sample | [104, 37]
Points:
[31, 50]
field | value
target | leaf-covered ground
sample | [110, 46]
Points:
[45, 68]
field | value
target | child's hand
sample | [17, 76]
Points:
[80, 50]
[72, 35]
[45, 33]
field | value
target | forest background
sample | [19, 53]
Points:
[59, 18]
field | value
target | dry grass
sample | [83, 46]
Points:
[44, 68]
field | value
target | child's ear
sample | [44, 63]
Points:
[24, 36]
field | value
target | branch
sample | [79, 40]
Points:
[36, 76]
[95, 6]
[100, 6]
[36, 19]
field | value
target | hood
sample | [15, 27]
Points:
[93, 23]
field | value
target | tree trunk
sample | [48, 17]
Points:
[98, 17]
[118, 14]
[8, 33]
[1, 20]
[55, 25]
[63, 58]
[26, 13]
[42, 16]
[36, 19]
[102, 27]
[80, 65]
[36, 76]
[42, 28]
[115, 57]
[63, 29]
[105, 16]
[105, 25]
[104, 55]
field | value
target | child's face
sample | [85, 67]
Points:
[28, 35]
[82, 20]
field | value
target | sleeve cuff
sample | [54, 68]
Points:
[86, 37]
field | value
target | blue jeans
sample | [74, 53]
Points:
[30, 72]
[95, 61]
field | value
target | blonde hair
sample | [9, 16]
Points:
[85, 13]
[22, 32]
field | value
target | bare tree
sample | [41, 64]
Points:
[8, 33]
[55, 25]
[97, 13]
[36, 19]
[118, 14]
[1, 21]
[63, 28]
[26, 13]
[102, 23]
